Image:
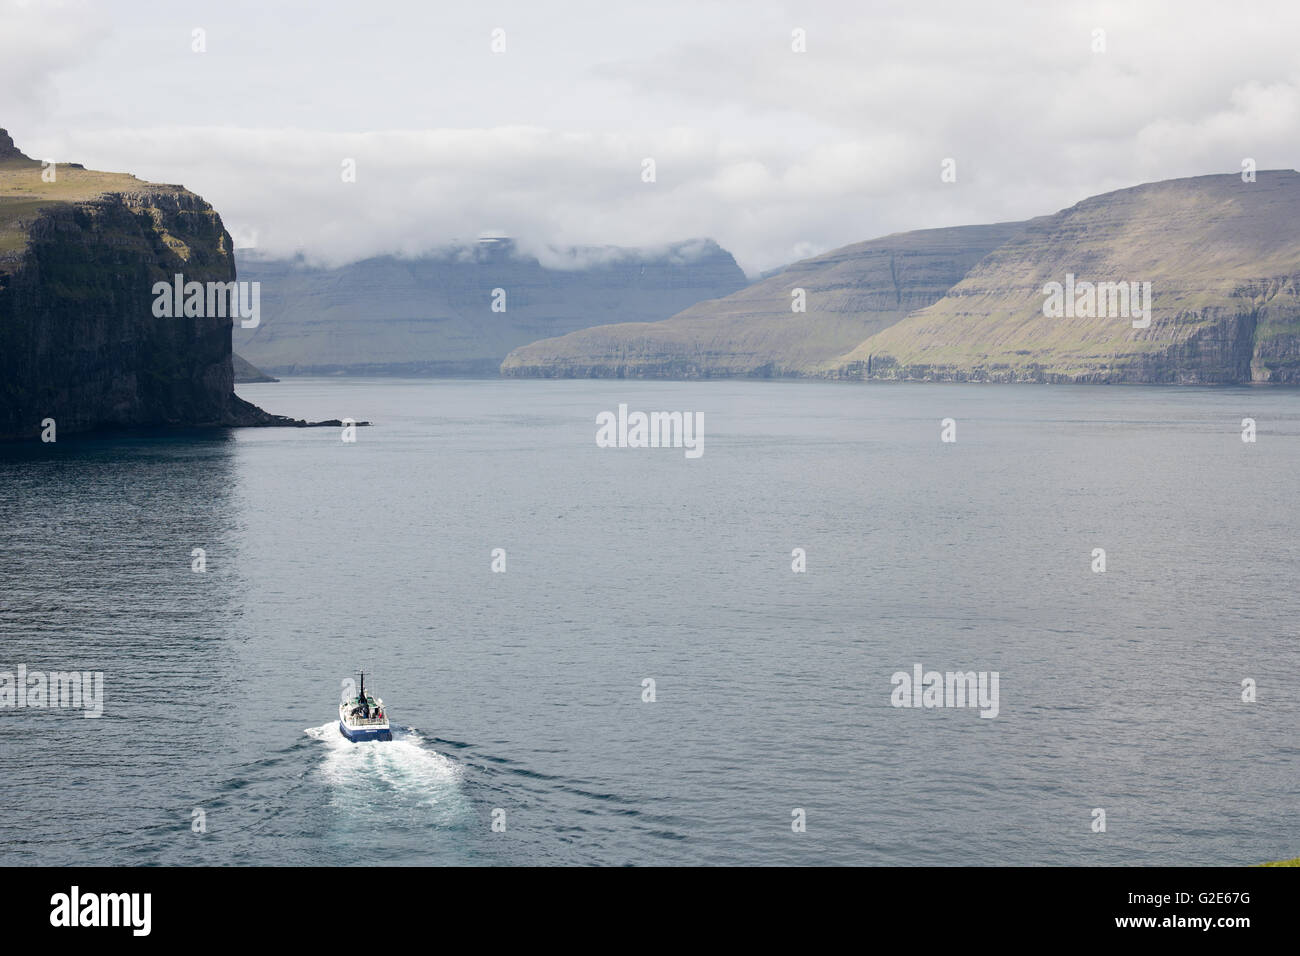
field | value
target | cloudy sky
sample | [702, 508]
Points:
[776, 154]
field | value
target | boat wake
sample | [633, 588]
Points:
[401, 780]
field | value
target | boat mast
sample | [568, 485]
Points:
[363, 687]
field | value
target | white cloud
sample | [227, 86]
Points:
[37, 42]
[769, 152]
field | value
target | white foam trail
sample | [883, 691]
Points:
[388, 774]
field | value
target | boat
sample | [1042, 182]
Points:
[363, 717]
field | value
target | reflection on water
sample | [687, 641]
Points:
[95, 574]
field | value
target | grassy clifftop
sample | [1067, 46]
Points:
[25, 192]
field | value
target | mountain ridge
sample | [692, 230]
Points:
[1222, 259]
[848, 293]
[1221, 256]
[460, 311]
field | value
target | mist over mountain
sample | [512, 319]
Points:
[462, 310]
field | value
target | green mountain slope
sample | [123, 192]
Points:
[850, 293]
[1223, 261]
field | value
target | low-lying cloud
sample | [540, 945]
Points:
[775, 154]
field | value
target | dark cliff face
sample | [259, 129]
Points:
[79, 342]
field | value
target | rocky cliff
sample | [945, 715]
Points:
[1222, 259]
[847, 295]
[79, 341]
[435, 315]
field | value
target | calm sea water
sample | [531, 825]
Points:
[523, 691]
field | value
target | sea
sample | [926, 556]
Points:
[599, 655]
